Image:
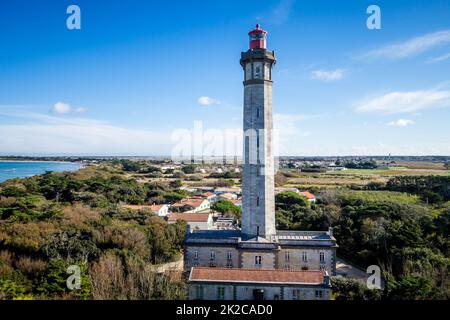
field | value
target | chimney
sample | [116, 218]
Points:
[330, 232]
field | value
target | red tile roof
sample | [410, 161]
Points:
[190, 202]
[189, 217]
[208, 194]
[228, 196]
[256, 275]
[308, 194]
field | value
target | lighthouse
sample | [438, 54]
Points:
[257, 261]
[258, 206]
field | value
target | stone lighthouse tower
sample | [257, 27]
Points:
[258, 216]
[231, 264]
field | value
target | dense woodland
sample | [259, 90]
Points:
[51, 221]
[402, 231]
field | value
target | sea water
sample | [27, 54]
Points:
[23, 169]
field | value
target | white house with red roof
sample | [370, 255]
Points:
[193, 204]
[311, 198]
[161, 210]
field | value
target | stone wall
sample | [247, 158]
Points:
[292, 258]
[245, 258]
[210, 291]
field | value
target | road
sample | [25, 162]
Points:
[345, 269]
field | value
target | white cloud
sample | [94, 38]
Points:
[277, 14]
[287, 128]
[281, 12]
[80, 110]
[401, 123]
[405, 102]
[410, 47]
[440, 58]
[328, 75]
[206, 101]
[64, 108]
[44, 134]
[61, 107]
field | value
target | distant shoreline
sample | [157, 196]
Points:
[53, 161]
[16, 169]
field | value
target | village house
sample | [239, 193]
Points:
[192, 205]
[210, 196]
[161, 210]
[195, 221]
[311, 198]
[227, 196]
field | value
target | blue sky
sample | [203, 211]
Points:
[138, 71]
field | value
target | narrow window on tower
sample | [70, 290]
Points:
[257, 112]
[257, 201]
[257, 150]
[247, 149]
[257, 72]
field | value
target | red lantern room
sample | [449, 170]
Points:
[257, 38]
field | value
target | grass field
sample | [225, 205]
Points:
[329, 179]
[395, 171]
[361, 177]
